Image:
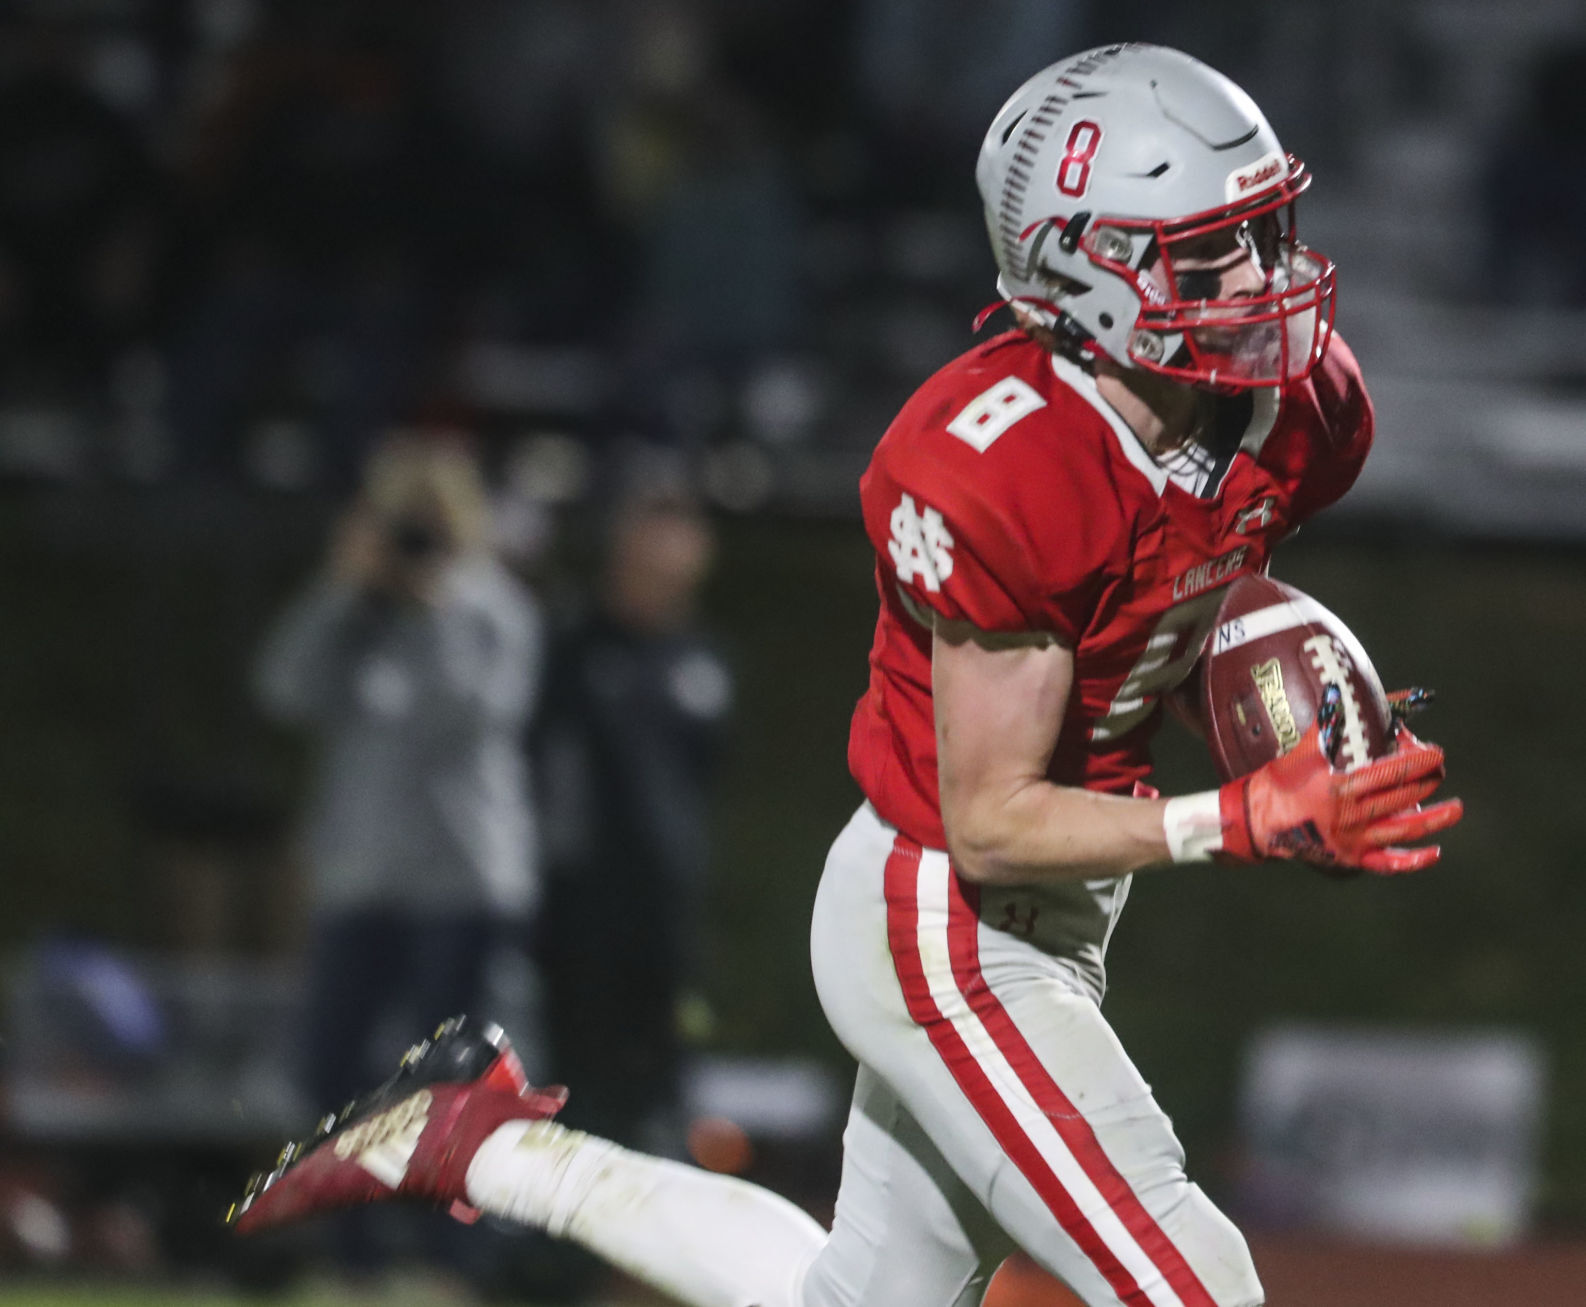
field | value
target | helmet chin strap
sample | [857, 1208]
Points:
[1044, 311]
[987, 314]
[1047, 315]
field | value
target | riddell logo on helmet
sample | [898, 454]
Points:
[1245, 181]
[1264, 174]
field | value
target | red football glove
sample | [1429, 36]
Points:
[1301, 806]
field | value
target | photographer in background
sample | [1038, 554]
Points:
[415, 658]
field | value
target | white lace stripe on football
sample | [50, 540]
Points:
[1325, 651]
[1299, 611]
[1267, 621]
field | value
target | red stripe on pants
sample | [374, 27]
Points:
[902, 893]
[963, 940]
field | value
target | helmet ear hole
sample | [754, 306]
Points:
[1146, 345]
[1112, 244]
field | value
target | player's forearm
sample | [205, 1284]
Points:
[1043, 832]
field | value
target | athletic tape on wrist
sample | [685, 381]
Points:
[1193, 824]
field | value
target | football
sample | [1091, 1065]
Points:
[1271, 657]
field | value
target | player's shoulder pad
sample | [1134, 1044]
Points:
[994, 416]
[1341, 399]
[1330, 430]
[1001, 463]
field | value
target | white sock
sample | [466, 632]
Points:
[708, 1240]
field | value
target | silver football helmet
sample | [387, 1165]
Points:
[1139, 200]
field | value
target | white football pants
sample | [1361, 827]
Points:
[994, 1110]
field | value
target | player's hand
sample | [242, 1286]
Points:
[1301, 806]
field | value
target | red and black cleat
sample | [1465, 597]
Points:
[410, 1139]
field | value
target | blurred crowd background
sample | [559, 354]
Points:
[430, 576]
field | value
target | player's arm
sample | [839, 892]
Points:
[1000, 702]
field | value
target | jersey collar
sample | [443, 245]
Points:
[1266, 401]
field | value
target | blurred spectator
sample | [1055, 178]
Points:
[627, 743]
[415, 658]
[79, 210]
[1535, 189]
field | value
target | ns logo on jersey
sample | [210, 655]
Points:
[921, 546]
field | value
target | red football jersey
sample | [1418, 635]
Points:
[1009, 494]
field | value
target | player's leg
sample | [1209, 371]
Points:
[1022, 1085]
[705, 1239]
[459, 1127]
[908, 1233]
[1092, 1184]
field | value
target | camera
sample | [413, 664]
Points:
[414, 540]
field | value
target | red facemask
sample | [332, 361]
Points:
[1252, 306]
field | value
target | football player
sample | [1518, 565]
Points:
[1054, 514]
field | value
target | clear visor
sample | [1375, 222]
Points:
[1266, 338]
[1229, 298]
